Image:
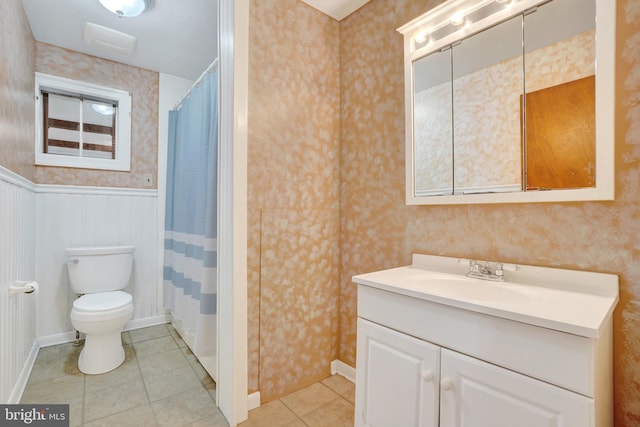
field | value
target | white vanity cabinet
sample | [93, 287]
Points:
[435, 348]
[400, 375]
[408, 382]
[476, 393]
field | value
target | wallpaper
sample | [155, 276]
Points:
[378, 231]
[293, 202]
[143, 85]
[16, 89]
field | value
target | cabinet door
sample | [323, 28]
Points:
[478, 394]
[396, 379]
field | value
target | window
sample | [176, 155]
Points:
[82, 125]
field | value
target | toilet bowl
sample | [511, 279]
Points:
[99, 274]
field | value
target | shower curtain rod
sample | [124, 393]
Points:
[196, 83]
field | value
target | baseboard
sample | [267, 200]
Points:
[66, 337]
[253, 401]
[337, 367]
[55, 339]
[146, 322]
[341, 368]
[23, 378]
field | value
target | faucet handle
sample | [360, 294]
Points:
[486, 268]
[499, 270]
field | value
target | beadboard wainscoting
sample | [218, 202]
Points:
[37, 224]
[70, 216]
[17, 263]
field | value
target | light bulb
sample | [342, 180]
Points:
[421, 38]
[457, 19]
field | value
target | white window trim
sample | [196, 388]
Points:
[122, 162]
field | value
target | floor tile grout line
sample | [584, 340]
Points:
[144, 385]
[84, 397]
[298, 417]
[124, 410]
[118, 413]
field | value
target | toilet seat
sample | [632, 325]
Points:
[102, 306]
[102, 301]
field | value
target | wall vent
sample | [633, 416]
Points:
[108, 39]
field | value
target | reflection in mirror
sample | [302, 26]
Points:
[560, 95]
[433, 137]
[487, 87]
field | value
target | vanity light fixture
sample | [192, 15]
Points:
[465, 15]
[127, 8]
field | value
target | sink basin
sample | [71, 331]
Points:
[571, 301]
[467, 288]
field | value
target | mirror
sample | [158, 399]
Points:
[559, 109]
[433, 125]
[487, 86]
[501, 102]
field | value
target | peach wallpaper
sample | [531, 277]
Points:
[143, 85]
[293, 195]
[377, 229]
[16, 89]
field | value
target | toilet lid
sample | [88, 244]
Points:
[102, 301]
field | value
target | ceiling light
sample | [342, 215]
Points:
[127, 8]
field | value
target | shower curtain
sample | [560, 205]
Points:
[190, 246]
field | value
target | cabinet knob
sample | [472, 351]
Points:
[427, 375]
[446, 384]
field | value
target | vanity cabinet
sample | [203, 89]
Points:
[398, 378]
[408, 382]
[433, 355]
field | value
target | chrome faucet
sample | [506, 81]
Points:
[484, 272]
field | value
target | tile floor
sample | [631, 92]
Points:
[328, 403]
[161, 383]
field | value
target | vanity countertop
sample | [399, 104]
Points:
[571, 301]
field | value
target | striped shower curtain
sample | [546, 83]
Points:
[191, 246]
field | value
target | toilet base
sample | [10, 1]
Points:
[101, 353]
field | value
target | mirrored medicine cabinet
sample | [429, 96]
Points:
[510, 101]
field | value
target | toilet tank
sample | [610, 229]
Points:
[99, 269]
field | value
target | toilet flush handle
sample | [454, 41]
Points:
[74, 261]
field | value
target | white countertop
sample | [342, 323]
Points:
[575, 302]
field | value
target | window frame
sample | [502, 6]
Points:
[122, 144]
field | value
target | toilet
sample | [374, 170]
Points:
[99, 274]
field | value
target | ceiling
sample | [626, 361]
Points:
[176, 37]
[172, 38]
[337, 9]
